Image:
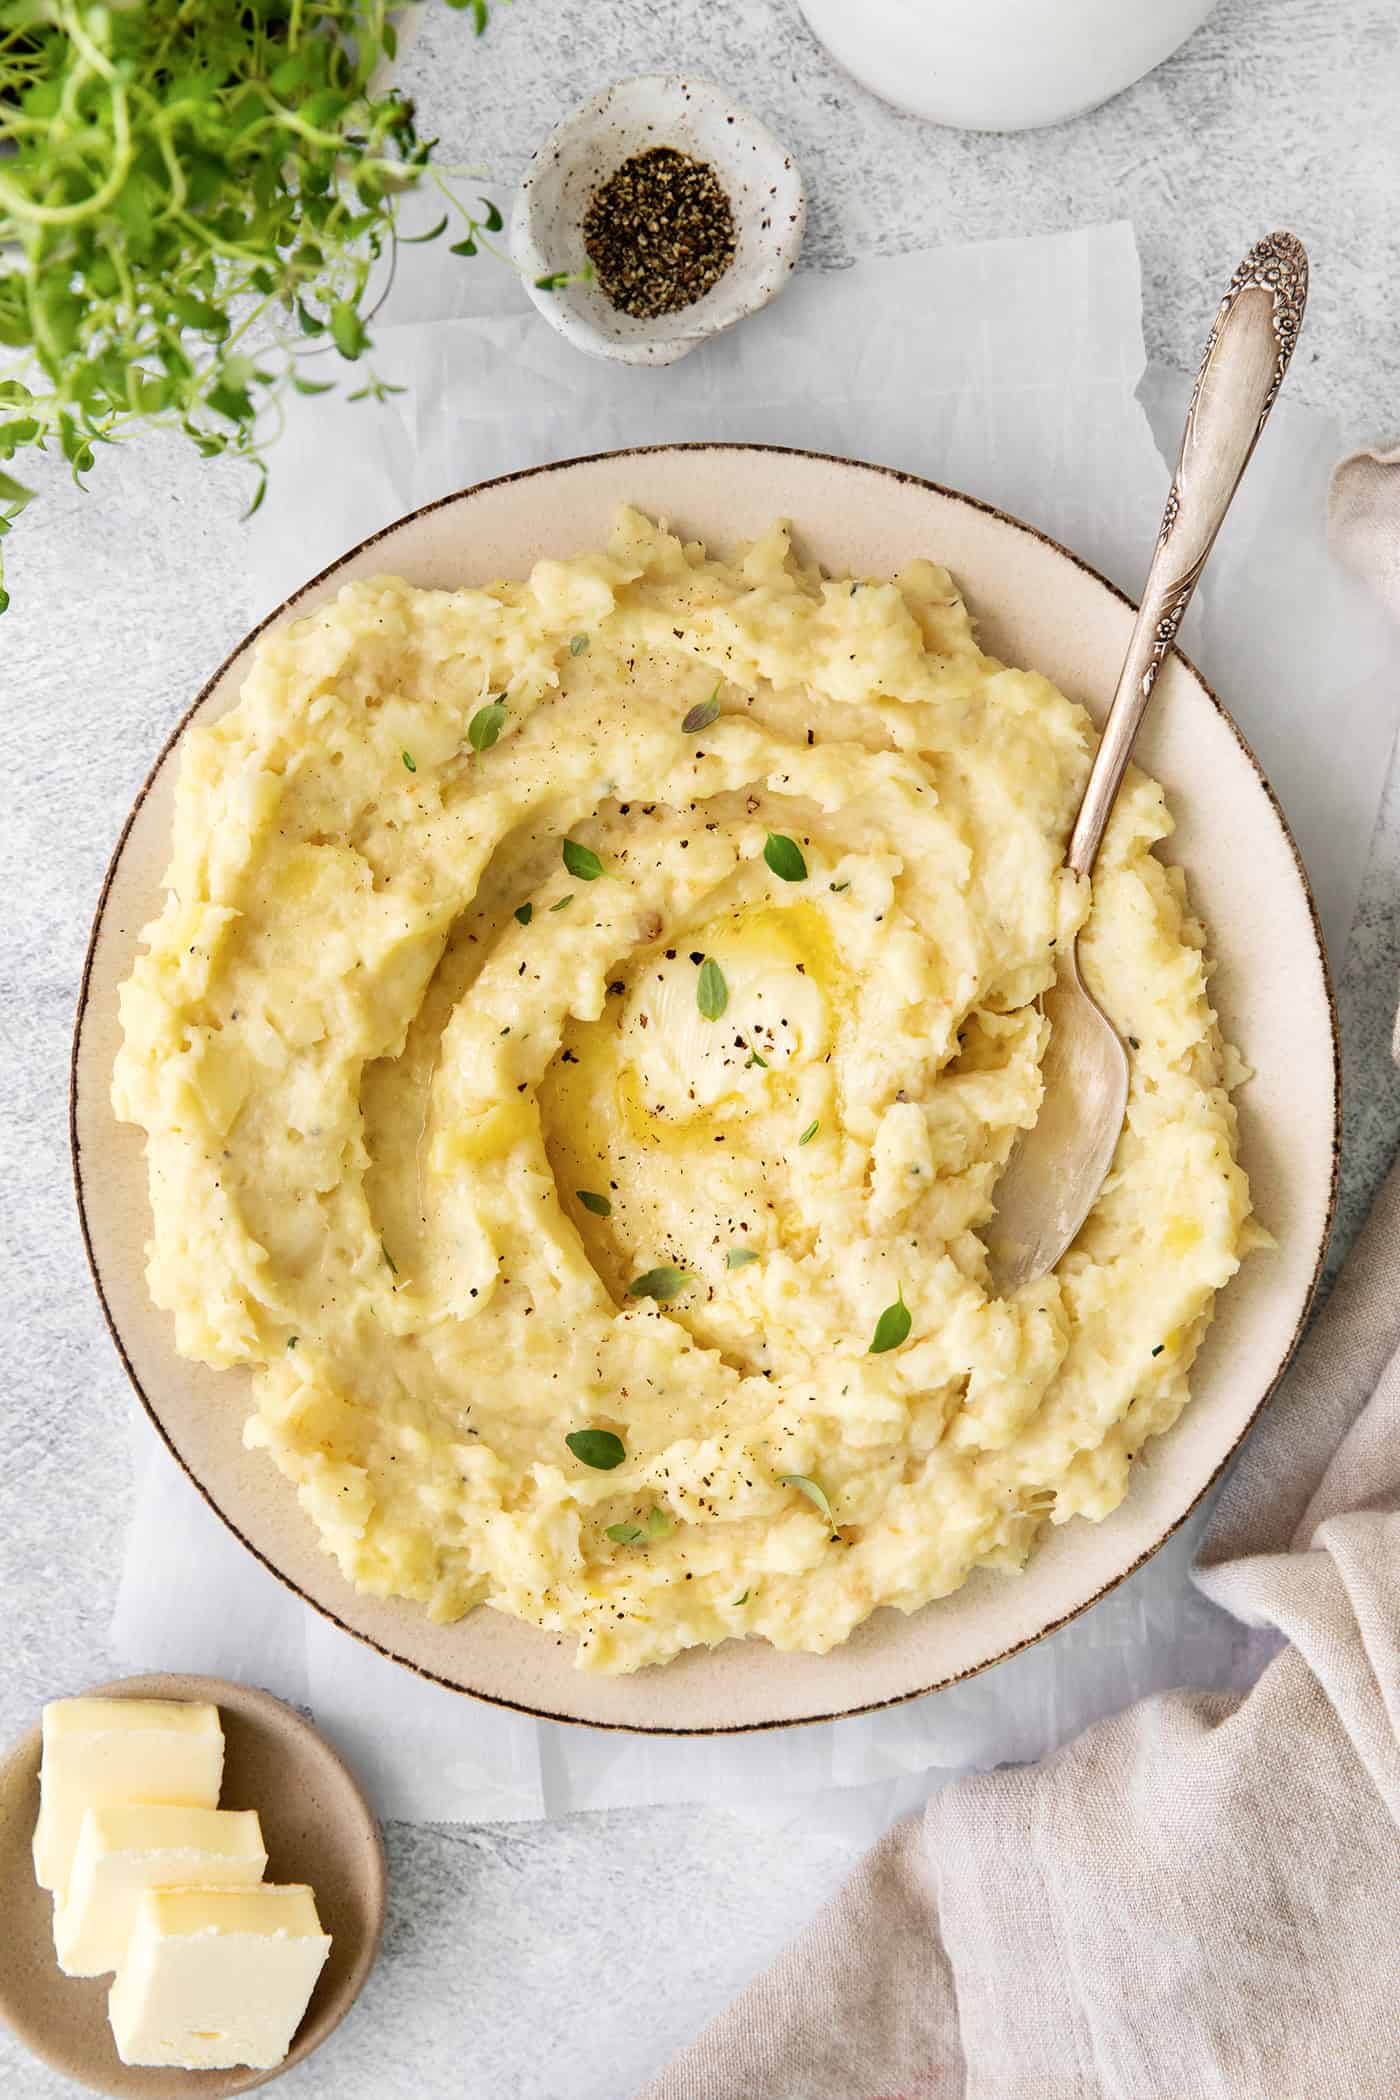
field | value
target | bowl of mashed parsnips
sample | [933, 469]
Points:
[554, 1025]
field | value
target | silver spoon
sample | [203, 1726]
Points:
[1057, 1169]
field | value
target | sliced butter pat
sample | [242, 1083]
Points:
[215, 1978]
[781, 974]
[97, 1751]
[131, 1846]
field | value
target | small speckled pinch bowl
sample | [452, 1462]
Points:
[657, 109]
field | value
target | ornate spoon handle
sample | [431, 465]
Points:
[1241, 373]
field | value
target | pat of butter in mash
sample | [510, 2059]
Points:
[126, 1848]
[98, 1752]
[426, 1094]
[217, 1977]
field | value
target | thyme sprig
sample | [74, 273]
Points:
[192, 200]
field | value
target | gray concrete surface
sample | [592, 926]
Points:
[563, 1962]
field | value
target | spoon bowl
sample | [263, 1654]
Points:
[1057, 1169]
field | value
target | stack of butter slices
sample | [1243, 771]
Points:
[153, 1881]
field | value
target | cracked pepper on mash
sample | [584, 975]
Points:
[585, 1015]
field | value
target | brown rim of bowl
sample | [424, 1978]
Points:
[591, 459]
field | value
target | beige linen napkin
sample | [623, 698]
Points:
[1197, 1900]
[1363, 520]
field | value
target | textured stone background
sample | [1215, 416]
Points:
[563, 1962]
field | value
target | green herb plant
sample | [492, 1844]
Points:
[194, 195]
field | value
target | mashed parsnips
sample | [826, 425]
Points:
[488, 985]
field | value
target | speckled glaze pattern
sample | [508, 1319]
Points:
[566, 1961]
[697, 117]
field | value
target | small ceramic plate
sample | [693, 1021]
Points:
[1034, 605]
[697, 117]
[317, 1827]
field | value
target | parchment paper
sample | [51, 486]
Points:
[1013, 370]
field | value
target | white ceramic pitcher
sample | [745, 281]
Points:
[1001, 65]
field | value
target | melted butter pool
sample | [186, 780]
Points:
[781, 969]
[672, 1117]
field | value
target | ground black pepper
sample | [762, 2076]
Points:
[659, 232]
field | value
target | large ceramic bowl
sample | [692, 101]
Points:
[1035, 605]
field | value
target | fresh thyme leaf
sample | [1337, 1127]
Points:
[701, 716]
[755, 1059]
[524, 912]
[598, 1448]
[409, 760]
[711, 991]
[415, 240]
[739, 1257]
[581, 861]
[292, 1340]
[657, 1526]
[348, 331]
[486, 725]
[810, 1132]
[494, 221]
[812, 1489]
[740, 1600]
[551, 283]
[892, 1327]
[599, 1205]
[659, 1283]
[1159, 1348]
[567, 899]
[784, 857]
[578, 645]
